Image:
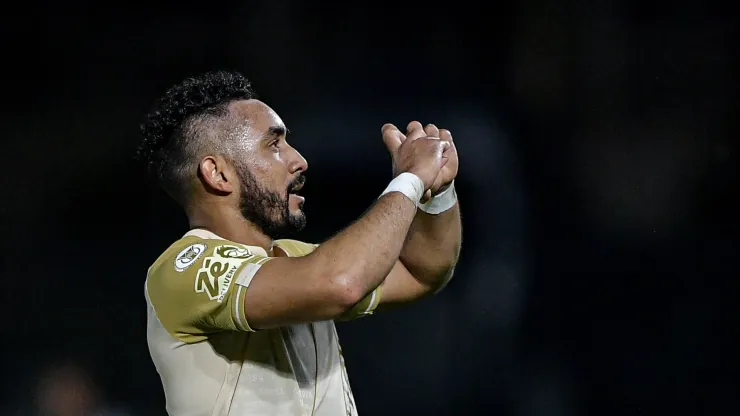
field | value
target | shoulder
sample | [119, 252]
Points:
[187, 251]
[182, 254]
[189, 286]
[193, 261]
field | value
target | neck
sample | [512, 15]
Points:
[228, 223]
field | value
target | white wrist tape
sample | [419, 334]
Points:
[441, 202]
[407, 184]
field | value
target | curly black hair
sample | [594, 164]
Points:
[181, 121]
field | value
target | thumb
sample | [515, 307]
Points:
[392, 137]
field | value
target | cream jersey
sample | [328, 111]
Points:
[212, 363]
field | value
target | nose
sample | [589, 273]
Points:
[298, 163]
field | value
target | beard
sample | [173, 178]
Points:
[268, 210]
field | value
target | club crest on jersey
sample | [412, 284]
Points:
[188, 256]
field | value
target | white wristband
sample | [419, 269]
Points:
[441, 202]
[407, 184]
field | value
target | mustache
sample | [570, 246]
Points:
[297, 183]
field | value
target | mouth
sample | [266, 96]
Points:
[297, 186]
[297, 197]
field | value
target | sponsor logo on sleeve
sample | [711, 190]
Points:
[188, 256]
[215, 275]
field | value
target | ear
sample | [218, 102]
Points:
[217, 174]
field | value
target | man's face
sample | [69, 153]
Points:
[270, 171]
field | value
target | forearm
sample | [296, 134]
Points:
[330, 281]
[432, 246]
[363, 254]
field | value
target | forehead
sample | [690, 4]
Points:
[256, 114]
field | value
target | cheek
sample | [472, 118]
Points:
[270, 174]
[261, 168]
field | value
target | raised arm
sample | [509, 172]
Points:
[430, 253]
[343, 270]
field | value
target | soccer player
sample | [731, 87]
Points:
[242, 323]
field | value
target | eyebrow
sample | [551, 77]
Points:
[276, 131]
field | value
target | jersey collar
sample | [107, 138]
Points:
[208, 235]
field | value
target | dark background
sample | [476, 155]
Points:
[597, 171]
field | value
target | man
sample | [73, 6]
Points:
[241, 323]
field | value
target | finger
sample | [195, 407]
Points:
[444, 152]
[427, 196]
[446, 136]
[392, 137]
[431, 130]
[414, 130]
[388, 127]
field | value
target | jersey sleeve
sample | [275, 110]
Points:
[197, 287]
[363, 308]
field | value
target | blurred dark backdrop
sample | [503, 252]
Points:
[597, 174]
